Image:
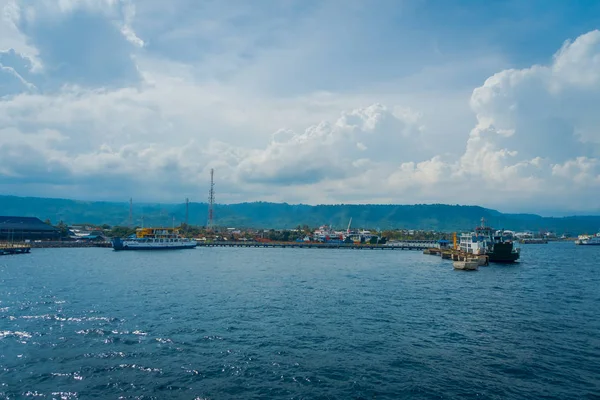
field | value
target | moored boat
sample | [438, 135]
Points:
[588, 240]
[154, 239]
[485, 241]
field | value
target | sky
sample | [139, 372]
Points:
[492, 103]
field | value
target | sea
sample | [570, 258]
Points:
[267, 323]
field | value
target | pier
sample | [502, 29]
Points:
[14, 248]
[68, 244]
[405, 245]
[456, 255]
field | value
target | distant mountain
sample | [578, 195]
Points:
[282, 215]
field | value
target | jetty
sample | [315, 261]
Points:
[7, 248]
[457, 255]
[68, 244]
[402, 245]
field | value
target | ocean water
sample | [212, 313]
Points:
[233, 323]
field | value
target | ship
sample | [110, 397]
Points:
[588, 240]
[486, 241]
[154, 239]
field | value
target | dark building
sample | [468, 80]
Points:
[26, 228]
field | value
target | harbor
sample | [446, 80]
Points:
[479, 248]
[403, 245]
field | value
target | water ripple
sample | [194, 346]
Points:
[296, 324]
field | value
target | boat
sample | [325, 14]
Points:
[326, 234]
[588, 240]
[154, 239]
[486, 241]
[467, 264]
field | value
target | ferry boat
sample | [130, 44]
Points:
[326, 234]
[154, 239]
[485, 241]
[588, 240]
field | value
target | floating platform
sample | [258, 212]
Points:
[14, 248]
[313, 245]
[457, 255]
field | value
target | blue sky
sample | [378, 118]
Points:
[420, 101]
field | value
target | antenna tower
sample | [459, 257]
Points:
[130, 212]
[211, 200]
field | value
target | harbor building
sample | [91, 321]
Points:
[20, 229]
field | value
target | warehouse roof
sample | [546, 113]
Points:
[25, 224]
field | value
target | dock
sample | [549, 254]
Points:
[68, 244]
[14, 248]
[456, 255]
[407, 245]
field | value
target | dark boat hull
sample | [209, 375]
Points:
[503, 253]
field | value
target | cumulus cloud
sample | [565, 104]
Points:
[11, 38]
[534, 126]
[124, 120]
[87, 42]
[366, 136]
[119, 12]
[539, 116]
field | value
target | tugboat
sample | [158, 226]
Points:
[154, 239]
[485, 241]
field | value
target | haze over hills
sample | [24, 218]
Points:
[282, 215]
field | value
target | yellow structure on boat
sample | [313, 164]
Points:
[142, 233]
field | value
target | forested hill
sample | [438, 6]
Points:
[281, 215]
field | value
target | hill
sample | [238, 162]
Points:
[439, 217]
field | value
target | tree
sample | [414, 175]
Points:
[120, 231]
[63, 228]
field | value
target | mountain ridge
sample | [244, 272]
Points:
[441, 217]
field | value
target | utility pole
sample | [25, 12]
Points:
[211, 200]
[187, 213]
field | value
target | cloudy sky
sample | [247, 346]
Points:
[495, 103]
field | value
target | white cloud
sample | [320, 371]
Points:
[122, 12]
[583, 171]
[372, 135]
[10, 35]
[535, 134]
